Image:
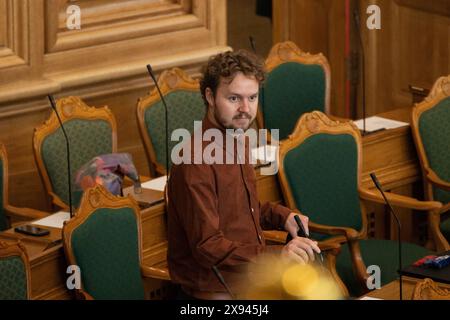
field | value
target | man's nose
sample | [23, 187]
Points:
[244, 106]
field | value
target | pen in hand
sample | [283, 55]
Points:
[302, 233]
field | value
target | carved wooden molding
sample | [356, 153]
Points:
[429, 290]
[110, 21]
[68, 108]
[15, 24]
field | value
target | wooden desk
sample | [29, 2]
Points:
[48, 266]
[391, 291]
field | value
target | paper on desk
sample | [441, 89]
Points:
[55, 220]
[155, 184]
[270, 156]
[377, 123]
[369, 298]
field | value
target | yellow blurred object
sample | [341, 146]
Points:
[272, 278]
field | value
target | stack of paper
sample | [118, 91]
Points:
[378, 123]
[55, 220]
[156, 184]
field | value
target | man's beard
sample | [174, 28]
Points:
[241, 115]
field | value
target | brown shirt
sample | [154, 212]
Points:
[215, 219]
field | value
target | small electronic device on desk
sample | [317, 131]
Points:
[31, 230]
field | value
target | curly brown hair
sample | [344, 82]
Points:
[225, 66]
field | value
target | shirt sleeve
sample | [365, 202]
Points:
[273, 216]
[196, 205]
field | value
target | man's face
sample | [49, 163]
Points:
[235, 103]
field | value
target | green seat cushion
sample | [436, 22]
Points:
[290, 90]
[434, 130]
[13, 279]
[106, 250]
[383, 253]
[88, 139]
[184, 107]
[322, 176]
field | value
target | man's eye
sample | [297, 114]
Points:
[253, 98]
[233, 99]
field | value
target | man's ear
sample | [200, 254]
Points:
[209, 97]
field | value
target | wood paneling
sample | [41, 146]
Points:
[103, 63]
[411, 48]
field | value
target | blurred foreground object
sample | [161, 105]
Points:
[273, 278]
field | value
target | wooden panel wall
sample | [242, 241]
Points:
[103, 62]
[411, 48]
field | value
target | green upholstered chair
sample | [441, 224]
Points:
[104, 241]
[14, 272]
[185, 105]
[91, 131]
[296, 83]
[320, 175]
[431, 131]
[8, 213]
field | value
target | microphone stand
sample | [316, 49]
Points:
[53, 104]
[253, 46]
[166, 119]
[222, 281]
[399, 227]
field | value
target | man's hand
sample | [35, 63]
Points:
[292, 227]
[300, 250]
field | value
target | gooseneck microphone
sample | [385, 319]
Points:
[69, 175]
[253, 46]
[166, 119]
[363, 69]
[222, 281]
[399, 227]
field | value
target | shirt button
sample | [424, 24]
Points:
[253, 210]
[259, 236]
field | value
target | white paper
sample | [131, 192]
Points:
[55, 220]
[378, 123]
[155, 184]
[369, 298]
[269, 156]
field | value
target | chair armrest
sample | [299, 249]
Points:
[83, 295]
[275, 236]
[399, 200]
[349, 233]
[26, 213]
[330, 244]
[155, 273]
[433, 178]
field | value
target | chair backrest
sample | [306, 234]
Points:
[104, 241]
[91, 131]
[431, 132]
[320, 170]
[185, 105]
[14, 272]
[3, 187]
[296, 83]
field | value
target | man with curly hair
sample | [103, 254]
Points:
[215, 220]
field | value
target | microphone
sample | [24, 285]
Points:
[53, 105]
[253, 46]
[399, 227]
[222, 281]
[363, 69]
[166, 119]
